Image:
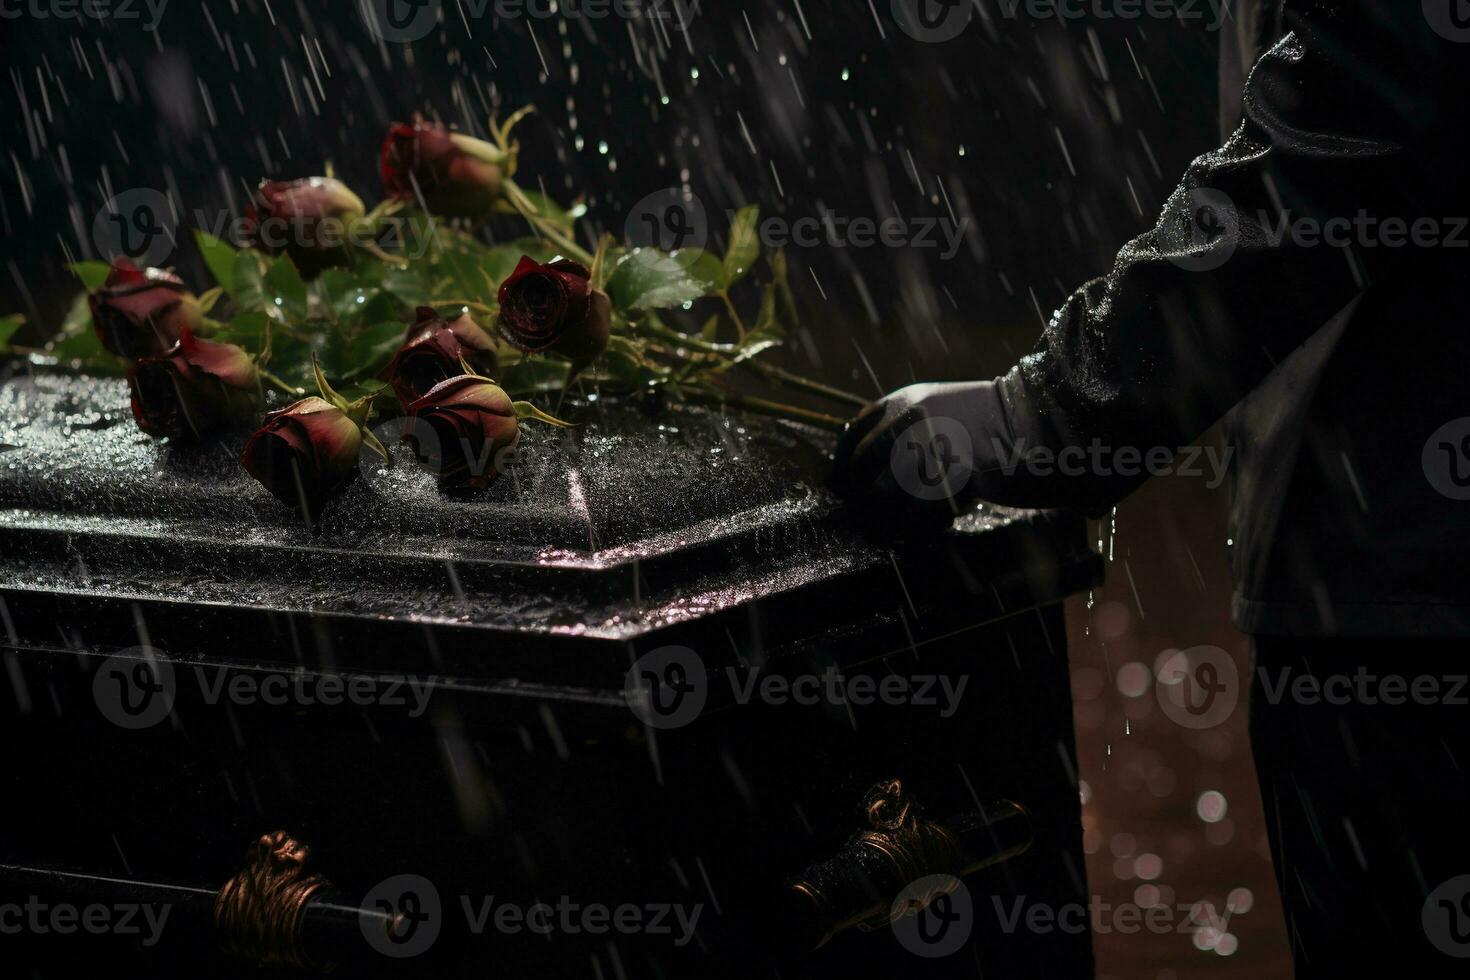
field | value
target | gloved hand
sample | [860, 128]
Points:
[908, 459]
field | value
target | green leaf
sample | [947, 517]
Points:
[85, 347]
[406, 285]
[78, 342]
[8, 326]
[373, 348]
[456, 239]
[350, 293]
[284, 287]
[247, 285]
[745, 245]
[245, 330]
[219, 257]
[78, 318]
[463, 276]
[359, 390]
[92, 273]
[291, 359]
[768, 321]
[335, 355]
[531, 375]
[647, 279]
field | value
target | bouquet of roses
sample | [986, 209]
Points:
[408, 313]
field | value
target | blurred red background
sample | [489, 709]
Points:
[1171, 816]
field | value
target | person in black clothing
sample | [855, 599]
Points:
[1304, 286]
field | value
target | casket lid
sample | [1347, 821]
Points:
[624, 525]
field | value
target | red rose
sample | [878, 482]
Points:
[431, 353]
[140, 312]
[307, 218]
[455, 175]
[304, 454]
[472, 422]
[554, 307]
[196, 388]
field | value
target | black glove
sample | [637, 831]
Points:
[908, 460]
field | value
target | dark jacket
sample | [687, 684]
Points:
[1333, 364]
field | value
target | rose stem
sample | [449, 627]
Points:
[734, 315]
[372, 249]
[769, 370]
[287, 388]
[544, 225]
[764, 406]
[806, 384]
[482, 307]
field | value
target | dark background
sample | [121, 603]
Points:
[1072, 133]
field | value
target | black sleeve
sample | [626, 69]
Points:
[1342, 122]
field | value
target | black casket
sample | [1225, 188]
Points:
[646, 708]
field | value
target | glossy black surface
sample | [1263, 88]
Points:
[526, 776]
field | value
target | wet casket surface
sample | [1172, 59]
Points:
[434, 694]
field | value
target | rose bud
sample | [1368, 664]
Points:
[141, 312]
[431, 353]
[470, 422]
[198, 387]
[304, 454]
[306, 218]
[554, 307]
[455, 175]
